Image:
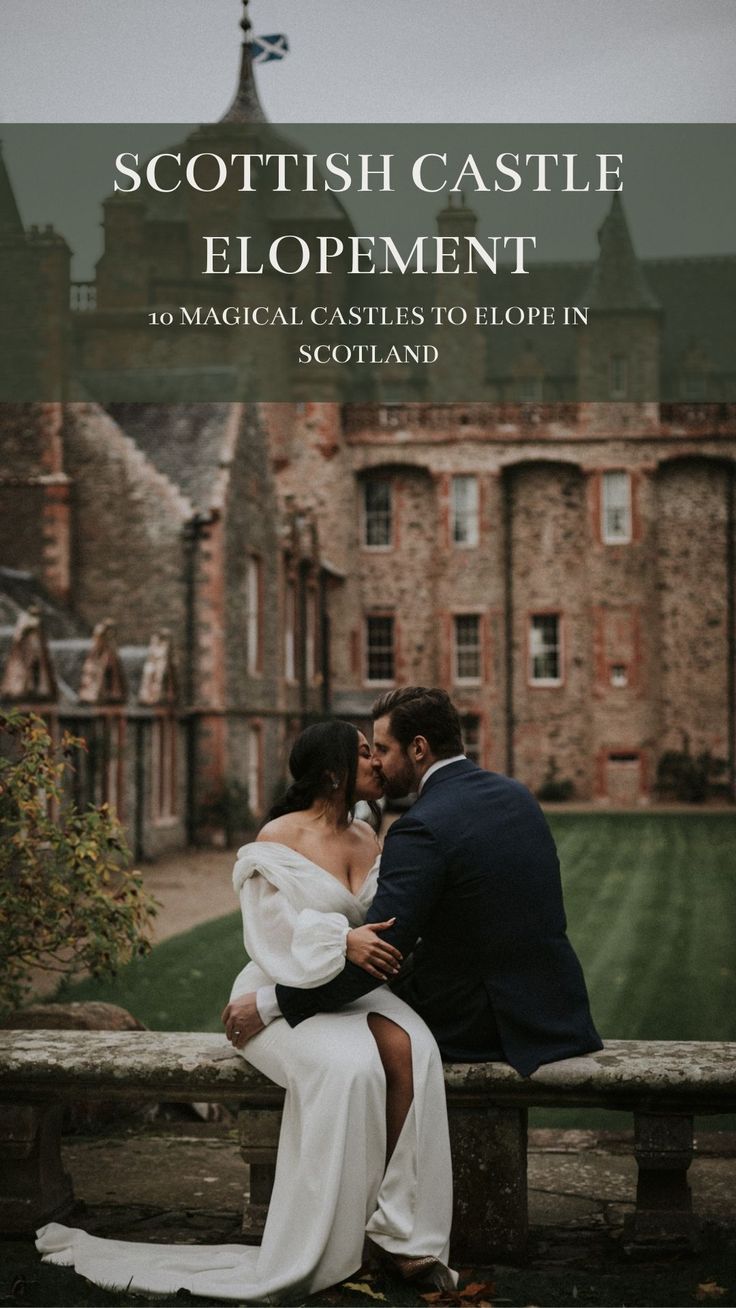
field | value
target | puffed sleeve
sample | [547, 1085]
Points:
[304, 949]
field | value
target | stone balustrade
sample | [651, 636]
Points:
[663, 1083]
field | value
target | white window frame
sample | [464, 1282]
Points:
[618, 676]
[368, 514]
[610, 533]
[558, 647]
[465, 519]
[379, 617]
[475, 648]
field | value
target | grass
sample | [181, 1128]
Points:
[651, 904]
[652, 913]
[182, 985]
[651, 907]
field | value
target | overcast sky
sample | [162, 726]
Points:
[372, 60]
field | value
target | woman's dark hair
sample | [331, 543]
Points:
[324, 751]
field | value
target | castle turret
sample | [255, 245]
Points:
[618, 357]
[461, 347]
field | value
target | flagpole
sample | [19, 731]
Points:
[246, 106]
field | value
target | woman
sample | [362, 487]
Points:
[364, 1145]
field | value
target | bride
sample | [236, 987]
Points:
[364, 1147]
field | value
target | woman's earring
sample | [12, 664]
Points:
[335, 785]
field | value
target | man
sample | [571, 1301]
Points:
[471, 875]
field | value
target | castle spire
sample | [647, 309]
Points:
[618, 282]
[246, 107]
[10, 220]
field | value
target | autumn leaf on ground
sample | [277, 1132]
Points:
[709, 1290]
[476, 1295]
[362, 1287]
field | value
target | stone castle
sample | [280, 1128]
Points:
[187, 584]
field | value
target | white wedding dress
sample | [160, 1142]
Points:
[331, 1187]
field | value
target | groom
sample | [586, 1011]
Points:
[470, 873]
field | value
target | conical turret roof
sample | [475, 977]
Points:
[246, 107]
[618, 283]
[10, 220]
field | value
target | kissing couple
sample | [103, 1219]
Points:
[462, 913]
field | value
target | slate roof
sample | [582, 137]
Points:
[10, 220]
[68, 658]
[20, 590]
[183, 441]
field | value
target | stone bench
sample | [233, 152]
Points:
[663, 1083]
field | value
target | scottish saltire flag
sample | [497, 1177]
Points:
[265, 48]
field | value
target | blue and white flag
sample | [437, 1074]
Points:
[265, 48]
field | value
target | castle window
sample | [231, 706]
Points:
[464, 511]
[618, 377]
[377, 513]
[255, 803]
[467, 647]
[312, 633]
[255, 615]
[380, 660]
[616, 508]
[472, 738]
[290, 631]
[530, 388]
[694, 386]
[163, 769]
[545, 649]
[619, 675]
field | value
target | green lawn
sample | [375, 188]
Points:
[651, 902]
[182, 985]
[651, 905]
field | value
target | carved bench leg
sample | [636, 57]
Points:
[35, 1187]
[258, 1137]
[490, 1218]
[663, 1146]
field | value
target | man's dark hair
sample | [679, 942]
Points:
[422, 711]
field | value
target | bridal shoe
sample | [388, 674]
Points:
[426, 1271]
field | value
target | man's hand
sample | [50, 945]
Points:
[242, 1020]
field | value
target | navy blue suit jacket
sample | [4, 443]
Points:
[471, 875]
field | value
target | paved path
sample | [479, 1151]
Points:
[192, 887]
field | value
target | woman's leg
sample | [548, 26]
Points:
[394, 1047]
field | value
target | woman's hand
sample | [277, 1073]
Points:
[367, 950]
